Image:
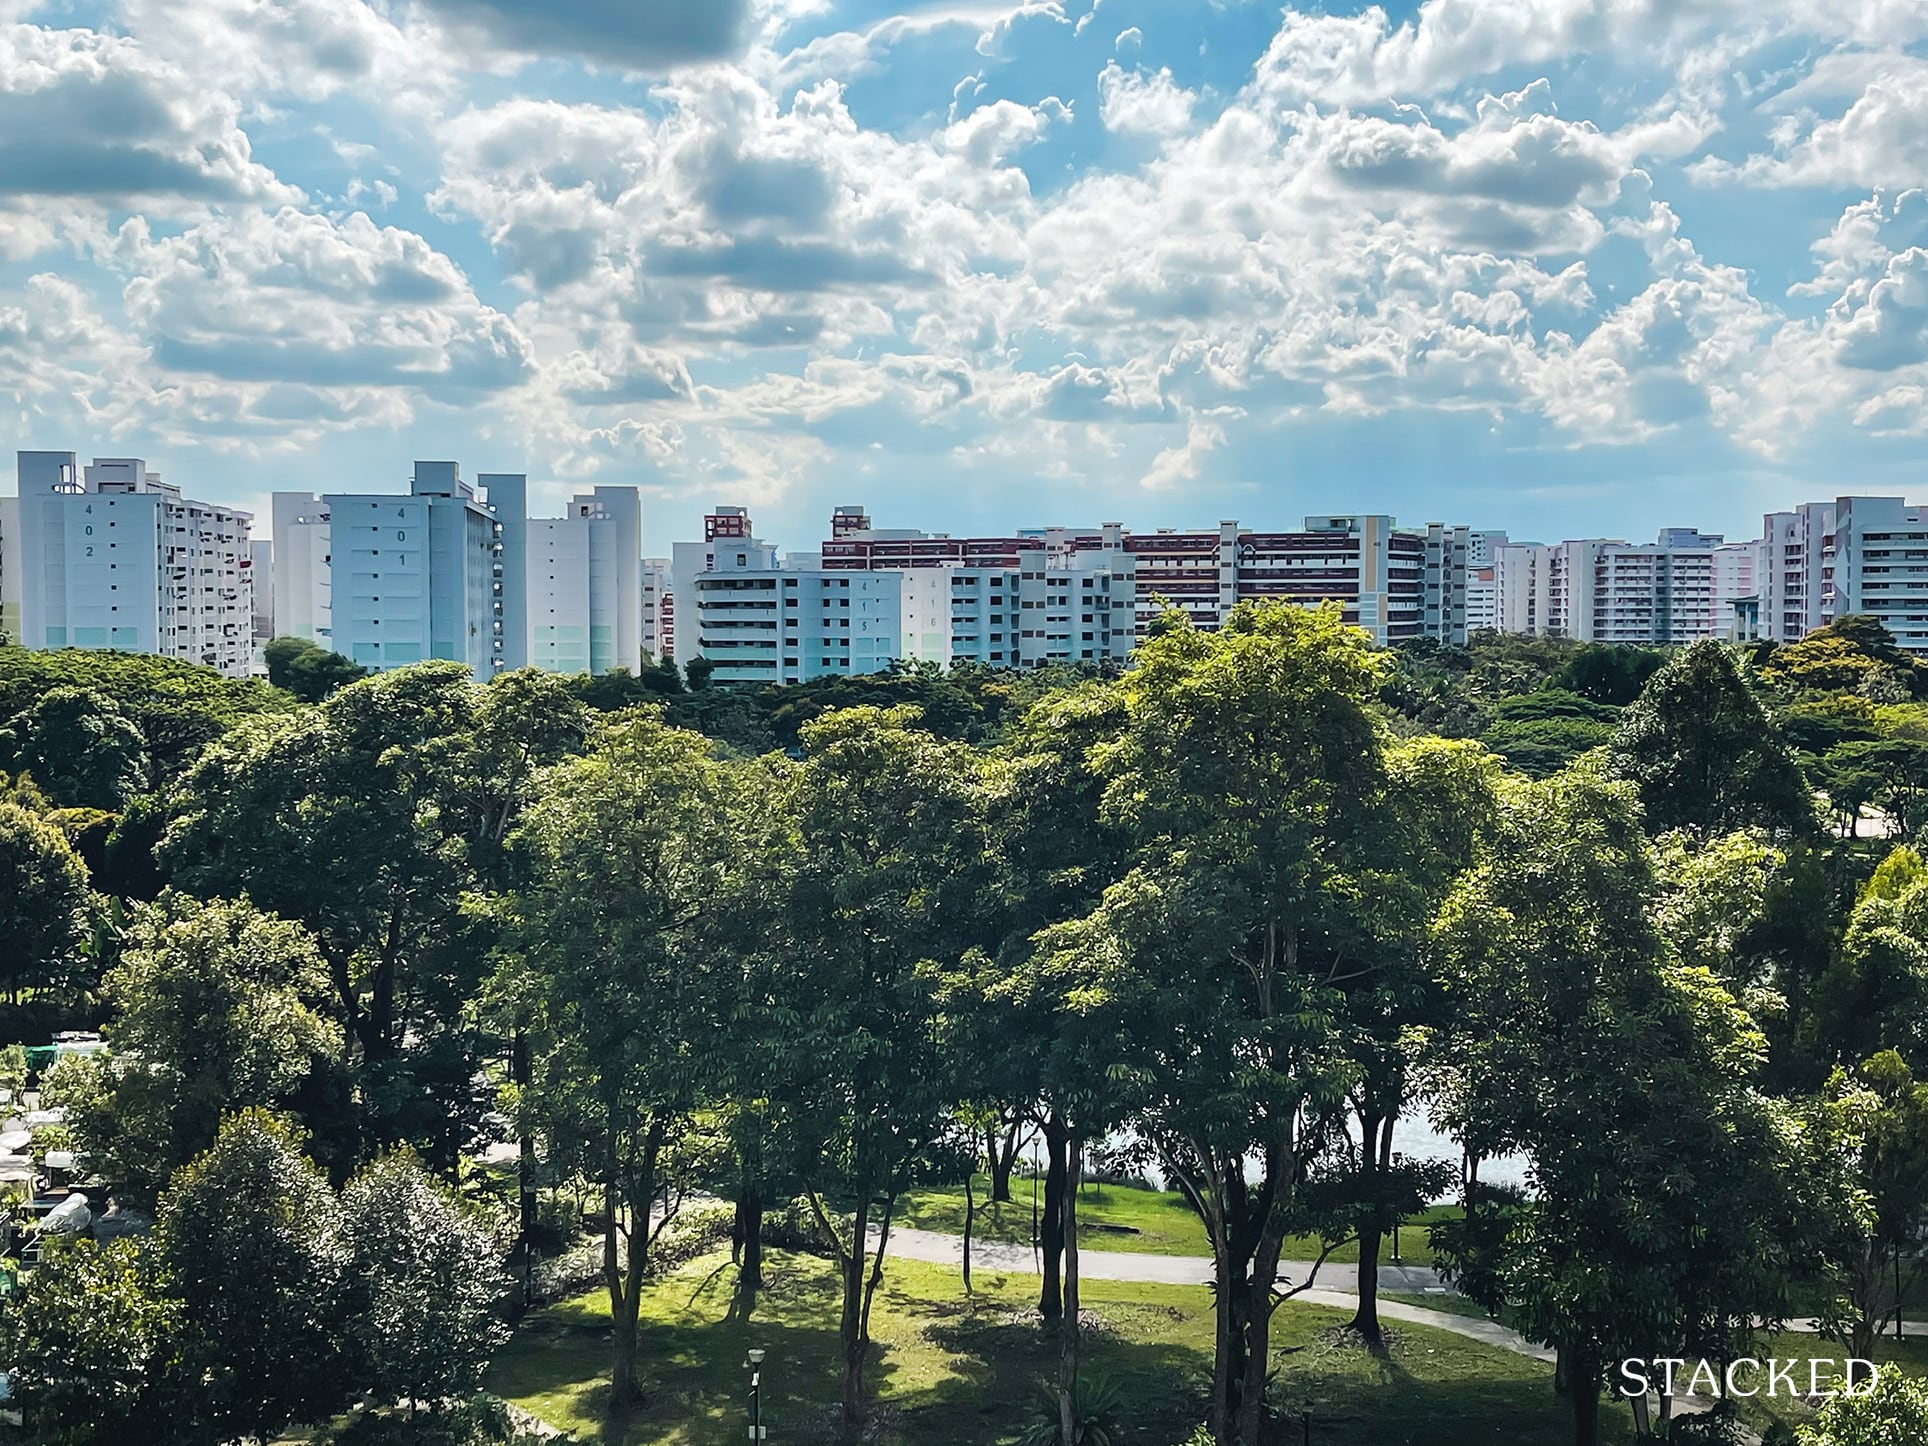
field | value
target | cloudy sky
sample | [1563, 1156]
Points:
[1569, 267]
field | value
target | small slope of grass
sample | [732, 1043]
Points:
[966, 1373]
[1133, 1219]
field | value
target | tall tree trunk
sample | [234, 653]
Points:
[1375, 1154]
[521, 1071]
[631, 1188]
[851, 1323]
[1004, 1156]
[746, 1237]
[1068, 1326]
[1583, 1386]
[970, 1222]
[1365, 1316]
[1257, 1326]
[625, 1389]
[1051, 1225]
[1228, 1350]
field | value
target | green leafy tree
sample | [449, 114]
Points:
[1245, 775]
[178, 707]
[1704, 754]
[1874, 992]
[1016, 1034]
[79, 747]
[249, 1240]
[1889, 773]
[630, 845]
[1541, 732]
[1713, 902]
[427, 1281]
[1853, 654]
[1626, 1080]
[353, 820]
[307, 670]
[1894, 1412]
[891, 841]
[1437, 797]
[218, 1007]
[1610, 672]
[1881, 1121]
[88, 1341]
[43, 901]
[524, 721]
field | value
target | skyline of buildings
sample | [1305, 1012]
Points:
[111, 556]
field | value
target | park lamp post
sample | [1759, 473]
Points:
[757, 1433]
[1398, 1159]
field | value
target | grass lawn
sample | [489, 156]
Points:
[944, 1371]
[1129, 1218]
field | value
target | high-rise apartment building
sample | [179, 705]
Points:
[657, 615]
[1077, 606]
[113, 557]
[1376, 572]
[450, 571]
[262, 555]
[961, 615]
[1795, 582]
[1482, 581]
[415, 576]
[302, 591]
[725, 526]
[1381, 576]
[1878, 566]
[584, 584]
[757, 621]
[1674, 590]
[1449, 552]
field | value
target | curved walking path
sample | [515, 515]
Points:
[935, 1248]
[1340, 1285]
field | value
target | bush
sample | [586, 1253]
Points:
[794, 1227]
[1893, 1413]
[690, 1236]
[485, 1421]
[1096, 1415]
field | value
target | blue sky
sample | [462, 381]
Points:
[1566, 267]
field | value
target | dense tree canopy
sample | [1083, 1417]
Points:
[1704, 753]
[306, 669]
[43, 900]
[551, 957]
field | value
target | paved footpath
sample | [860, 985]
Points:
[1339, 1290]
[1336, 1284]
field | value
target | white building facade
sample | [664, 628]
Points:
[757, 621]
[302, 592]
[584, 584]
[1795, 582]
[1602, 590]
[656, 614]
[418, 576]
[1482, 581]
[113, 557]
[1877, 566]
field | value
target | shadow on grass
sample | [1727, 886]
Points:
[967, 1373]
[940, 1368]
